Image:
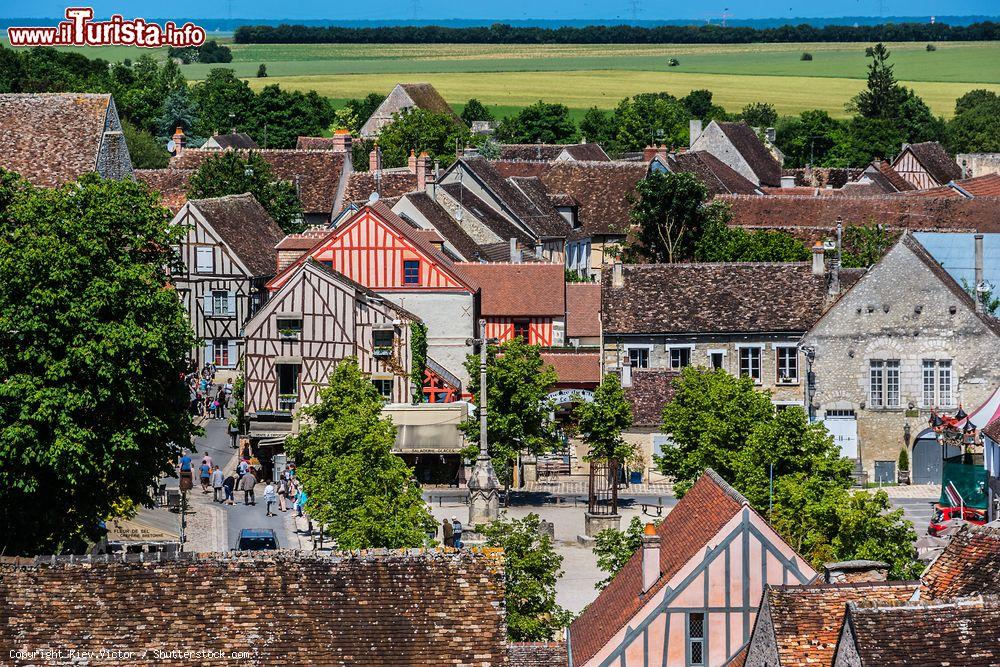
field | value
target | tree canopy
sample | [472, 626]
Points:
[602, 421]
[94, 344]
[475, 110]
[540, 123]
[420, 130]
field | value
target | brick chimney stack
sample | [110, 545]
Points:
[650, 557]
[411, 163]
[179, 140]
[342, 141]
[375, 159]
[423, 169]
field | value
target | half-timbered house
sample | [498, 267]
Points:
[227, 256]
[926, 165]
[317, 318]
[689, 595]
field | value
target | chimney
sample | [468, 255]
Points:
[342, 141]
[819, 266]
[617, 275]
[834, 287]
[626, 370]
[649, 152]
[424, 174]
[178, 141]
[788, 181]
[855, 571]
[375, 159]
[770, 134]
[515, 255]
[650, 557]
[694, 128]
[411, 162]
[979, 272]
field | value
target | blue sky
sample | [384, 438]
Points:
[510, 9]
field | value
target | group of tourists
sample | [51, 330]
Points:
[207, 398]
[452, 532]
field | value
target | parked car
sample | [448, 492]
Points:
[257, 539]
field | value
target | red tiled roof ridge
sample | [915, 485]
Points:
[822, 585]
[705, 265]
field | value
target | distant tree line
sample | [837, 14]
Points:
[500, 33]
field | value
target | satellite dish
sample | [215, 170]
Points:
[372, 198]
[171, 146]
[984, 287]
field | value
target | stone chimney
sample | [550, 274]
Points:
[694, 130]
[375, 159]
[617, 275]
[515, 254]
[819, 265]
[424, 173]
[650, 557]
[855, 571]
[770, 134]
[342, 141]
[179, 141]
[788, 181]
[626, 371]
[979, 272]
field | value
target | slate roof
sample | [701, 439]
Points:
[547, 152]
[583, 310]
[543, 215]
[713, 298]
[888, 178]
[651, 390]
[970, 564]
[602, 190]
[235, 140]
[525, 198]
[718, 177]
[52, 138]
[538, 654]
[519, 290]
[316, 173]
[406, 608]
[807, 619]
[753, 150]
[172, 184]
[445, 224]
[575, 367]
[685, 531]
[965, 631]
[489, 216]
[935, 160]
[246, 228]
[394, 182]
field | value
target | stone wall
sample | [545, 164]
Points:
[713, 140]
[763, 651]
[978, 164]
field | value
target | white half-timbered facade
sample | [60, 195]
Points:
[314, 321]
[227, 257]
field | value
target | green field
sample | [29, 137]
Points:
[580, 76]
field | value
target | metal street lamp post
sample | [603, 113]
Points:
[484, 489]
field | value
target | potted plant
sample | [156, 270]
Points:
[288, 333]
[903, 467]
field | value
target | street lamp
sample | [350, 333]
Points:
[484, 489]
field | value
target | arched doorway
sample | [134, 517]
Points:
[926, 458]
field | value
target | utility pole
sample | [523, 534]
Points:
[484, 489]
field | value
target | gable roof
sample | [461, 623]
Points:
[316, 174]
[486, 214]
[992, 430]
[235, 140]
[807, 619]
[964, 631]
[446, 226]
[713, 298]
[703, 511]
[172, 185]
[53, 138]
[246, 228]
[969, 564]
[544, 218]
[583, 310]
[518, 290]
[446, 608]
[987, 185]
[888, 179]
[934, 159]
[718, 177]
[548, 152]
[748, 144]
[392, 183]
[526, 200]
[426, 97]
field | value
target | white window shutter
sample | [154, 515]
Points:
[233, 361]
[209, 352]
[232, 303]
[207, 303]
[204, 259]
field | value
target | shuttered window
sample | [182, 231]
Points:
[204, 259]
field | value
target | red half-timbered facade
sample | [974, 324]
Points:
[534, 330]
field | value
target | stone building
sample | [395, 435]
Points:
[403, 97]
[738, 145]
[978, 164]
[904, 340]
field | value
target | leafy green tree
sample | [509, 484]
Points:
[140, 88]
[229, 173]
[475, 110]
[882, 95]
[759, 114]
[973, 99]
[669, 215]
[518, 383]
[213, 52]
[224, 102]
[864, 245]
[418, 358]
[361, 110]
[531, 570]
[357, 487]
[602, 421]
[420, 130]
[94, 344]
[614, 548]
[991, 302]
[280, 117]
[976, 125]
[806, 138]
[262, 71]
[650, 118]
[145, 151]
[542, 123]
[178, 110]
[699, 105]
[597, 126]
[720, 243]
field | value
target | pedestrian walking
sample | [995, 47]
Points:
[242, 468]
[270, 498]
[207, 458]
[229, 485]
[247, 482]
[217, 479]
[220, 403]
[205, 473]
[448, 532]
[456, 527]
[282, 492]
[300, 501]
[209, 406]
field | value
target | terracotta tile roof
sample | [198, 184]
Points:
[394, 182]
[992, 430]
[935, 159]
[575, 367]
[519, 290]
[987, 185]
[303, 241]
[547, 152]
[316, 174]
[807, 619]
[538, 654]
[740, 658]
[651, 390]
[695, 520]
[970, 564]
[405, 608]
[426, 97]
[52, 138]
[753, 150]
[583, 310]
[885, 174]
[965, 631]
[445, 225]
[235, 140]
[602, 189]
[172, 185]
[713, 298]
[821, 213]
[490, 217]
[717, 176]
[245, 227]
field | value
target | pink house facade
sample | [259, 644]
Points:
[690, 594]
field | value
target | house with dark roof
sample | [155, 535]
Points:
[423, 211]
[172, 185]
[689, 595]
[926, 165]
[718, 177]
[904, 341]
[54, 138]
[403, 97]
[553, 152]
[232, 140]
[228, 256]
[737, 145]
[399, 609]
[880, 178]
